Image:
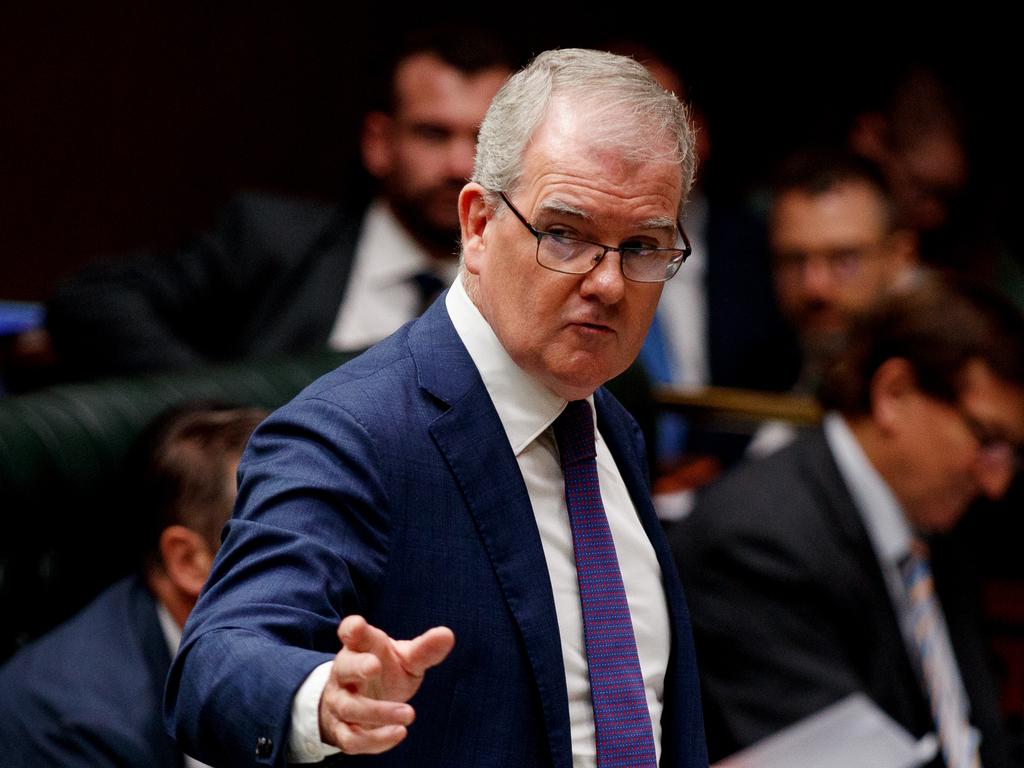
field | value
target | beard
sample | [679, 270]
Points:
[819, 347]
[432, 215]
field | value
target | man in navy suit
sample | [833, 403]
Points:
[88, 693]
[416, 492]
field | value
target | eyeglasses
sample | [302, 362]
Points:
[994, 449]
[573, 256]
[843, 264]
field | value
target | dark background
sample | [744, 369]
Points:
[127, 126]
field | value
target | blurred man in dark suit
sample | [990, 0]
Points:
[809, 572]
[88, 693]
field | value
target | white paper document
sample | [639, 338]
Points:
[852, 733]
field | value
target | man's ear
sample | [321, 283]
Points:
[474, 216]
[893, 388]
[186, 558]
[377, 143]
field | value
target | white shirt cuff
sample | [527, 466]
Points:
[304, 745]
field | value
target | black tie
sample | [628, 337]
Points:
[429, 286]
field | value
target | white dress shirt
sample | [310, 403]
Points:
[683, 307]
[381, 294]
[887, 527]
[172, 636]
[527, 410]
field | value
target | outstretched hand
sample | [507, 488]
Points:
[363, 708]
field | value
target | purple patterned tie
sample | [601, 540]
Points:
[622, 720]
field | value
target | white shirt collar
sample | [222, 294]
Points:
[882, 514]
[391, 254]
[169, 628]
[525, 406]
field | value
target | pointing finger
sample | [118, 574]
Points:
[357, 634]
[427, 650]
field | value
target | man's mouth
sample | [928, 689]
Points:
[591, 327]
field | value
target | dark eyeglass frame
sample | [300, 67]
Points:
[994, 446]
[673, 263]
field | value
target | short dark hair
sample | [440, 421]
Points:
[817, 170]
[467, 48]
[917, 101]
[180, 471]
[938, 324]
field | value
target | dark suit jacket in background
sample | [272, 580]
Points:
[389, 489]
[749, 344]
[791, 611]
[267, 281]
[89, 693]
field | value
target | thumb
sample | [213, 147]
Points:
[426, 651]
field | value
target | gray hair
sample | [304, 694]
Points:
[634, 112]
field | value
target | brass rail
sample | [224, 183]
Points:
[726, 403]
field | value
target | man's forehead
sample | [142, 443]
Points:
[847, 206]
[586, 121]
[569, 160]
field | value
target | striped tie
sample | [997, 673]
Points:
[622, 721]
[946, 697]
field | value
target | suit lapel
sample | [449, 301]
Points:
[889, 670]
[845, 519]
[470, 436]
[153, 646]
[820, 467]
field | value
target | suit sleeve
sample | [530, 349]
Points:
[150, 310]
[205, 301]
[772, 644]
[307, 546]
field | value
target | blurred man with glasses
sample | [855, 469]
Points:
[831, 567]
[467, 483]
[836, 247]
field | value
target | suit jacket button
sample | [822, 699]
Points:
[264, 747]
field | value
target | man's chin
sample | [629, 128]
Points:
[435, 224]
[824, 341]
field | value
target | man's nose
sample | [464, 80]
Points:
[817, 278]
[994, 476]
[605, 281]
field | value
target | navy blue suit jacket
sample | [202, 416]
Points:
[89, 692]
[389, 489]
[792, 613]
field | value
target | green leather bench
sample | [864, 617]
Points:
[65, 529]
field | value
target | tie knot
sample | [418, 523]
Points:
[574, 431]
